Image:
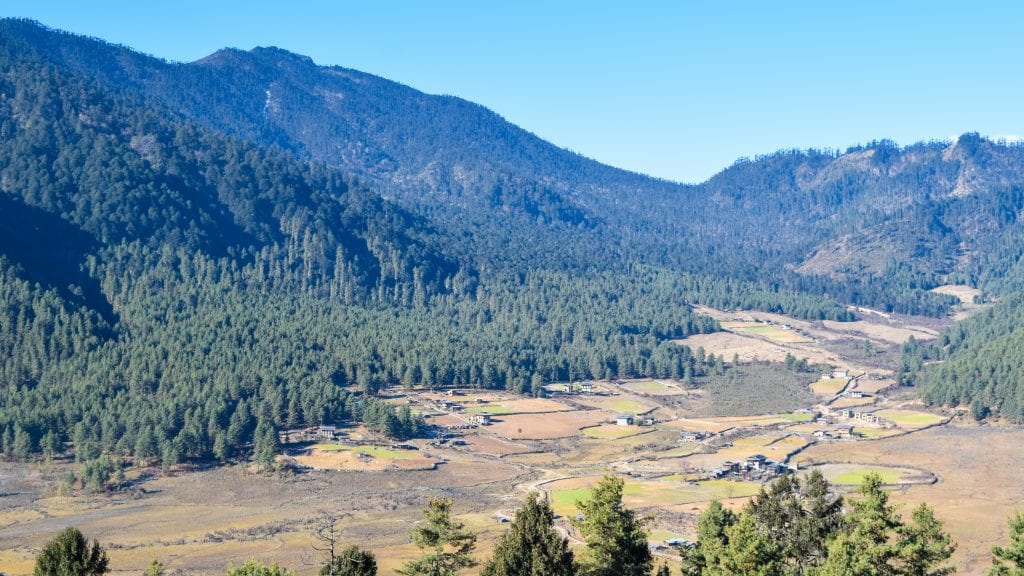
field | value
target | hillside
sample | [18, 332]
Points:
[192, 255]
[823, 222]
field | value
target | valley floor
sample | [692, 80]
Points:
[675, 456]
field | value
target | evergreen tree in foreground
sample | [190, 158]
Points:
[875, 541]
[711, 539]
[450, 543]
[255, 568]
[800, 516]
[351, 561]
[531, 546]
[69, 554]
[616, 538]
[923, 547]
[1009, 561]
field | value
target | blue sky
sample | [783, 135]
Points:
[673, 89]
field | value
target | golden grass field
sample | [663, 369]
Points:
[612, 431]
[655, 387]
[363, 458]
[829, 387]
[546, 426]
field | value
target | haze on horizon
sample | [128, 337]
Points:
[674, 90]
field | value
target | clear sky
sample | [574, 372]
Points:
[675, 89]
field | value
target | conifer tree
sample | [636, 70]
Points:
[266, 445]
[616, 537]
[531, 546]
[923, 547]
[449, 544]
[1009, 561]
[749, 552]
[865, 547]
[351, 561]
[712, 538]
[69, 554]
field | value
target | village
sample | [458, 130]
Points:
[640, 429]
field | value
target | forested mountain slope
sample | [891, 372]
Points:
[172, 292]
[193, 255]
[822, 222]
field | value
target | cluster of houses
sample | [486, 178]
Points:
[841, 432]
[755, 467]
[865, 417]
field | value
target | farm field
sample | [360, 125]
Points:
[854, 474]
[546, 426]
[613, 431]
[655, 387]
[618, 404]
[517, 406]
[829, 387]
[490, 445]
[871, 386]
[852, 402]
[643, 494]
[770, 331]
[910, 419]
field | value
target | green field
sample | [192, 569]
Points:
[374, 451]
[856, 477]
[495, 409]
[662, 535]
[910, 418]
[801, 417]
[612, 431]
[775, 333]
[624, 405]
